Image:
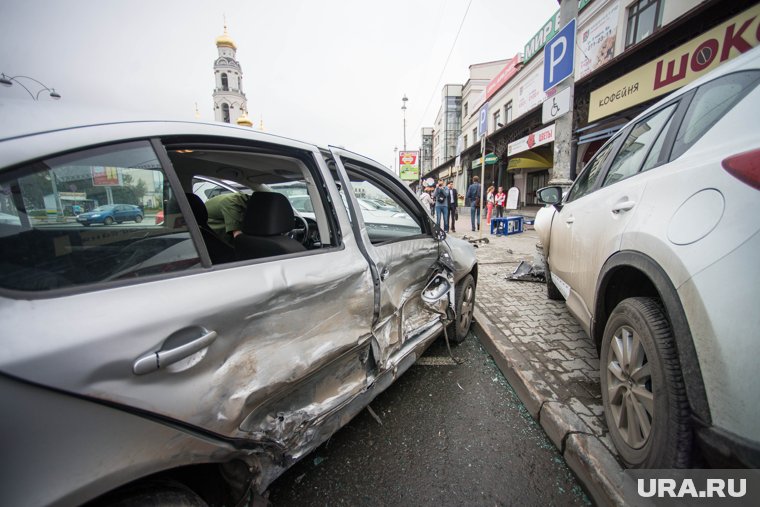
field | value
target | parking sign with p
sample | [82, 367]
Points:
[559, 56]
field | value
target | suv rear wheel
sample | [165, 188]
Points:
[643, 392]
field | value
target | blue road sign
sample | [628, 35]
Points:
[559, 56]
[483, 121]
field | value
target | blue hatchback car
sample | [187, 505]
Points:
[111, 213]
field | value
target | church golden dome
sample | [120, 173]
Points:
[225, 40]
[244, 121]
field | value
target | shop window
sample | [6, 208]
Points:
[644, 17]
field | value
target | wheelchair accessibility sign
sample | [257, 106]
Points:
[557, 105]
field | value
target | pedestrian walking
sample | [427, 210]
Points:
[490, 202]
[441, 198]
[427, 201]
[500, 198]
[473, 196]
[453, 206]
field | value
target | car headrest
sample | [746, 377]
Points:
[199, 209]
[268, 214]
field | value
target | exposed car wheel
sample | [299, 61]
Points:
[157, 493]
[643, 391]
[108, 221]
[552, 292]
[464, 306]
[138, 219]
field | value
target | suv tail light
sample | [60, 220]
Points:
[745, 167]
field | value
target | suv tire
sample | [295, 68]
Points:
[643, 391]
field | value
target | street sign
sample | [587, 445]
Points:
[556, 106]
[483, 121]
[559, 56]
[491, 158]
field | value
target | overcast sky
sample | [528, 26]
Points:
[323, 71]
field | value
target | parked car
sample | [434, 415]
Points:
[110, 213]
[137, 359]
[654, 248]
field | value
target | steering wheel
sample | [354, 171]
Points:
[300, 234]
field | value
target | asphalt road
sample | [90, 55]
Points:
[450, 435]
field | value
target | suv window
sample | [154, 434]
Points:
[710, 103]
[90, 217]
[585, 182]
[643, 137]
[386, 216]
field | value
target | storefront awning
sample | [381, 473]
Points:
[529, 160]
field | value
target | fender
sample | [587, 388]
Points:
[668, 295]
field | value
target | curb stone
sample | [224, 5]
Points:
[585, 454]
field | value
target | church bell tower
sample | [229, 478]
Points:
[230, 104]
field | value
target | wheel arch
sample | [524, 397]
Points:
[630, 274]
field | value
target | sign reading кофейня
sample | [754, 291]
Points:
[679, 66]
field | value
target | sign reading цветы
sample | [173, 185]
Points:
[537, 138]
[679, 66]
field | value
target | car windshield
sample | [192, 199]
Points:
[108, 207]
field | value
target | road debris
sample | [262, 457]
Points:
[526, 272]
[373, 414]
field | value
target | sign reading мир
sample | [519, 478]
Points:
[679, 66]
[537, 42]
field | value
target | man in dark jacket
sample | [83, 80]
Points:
[441, 199]
[473, 196]
[453, 196]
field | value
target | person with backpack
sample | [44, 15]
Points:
[441, 199]
[473, 196]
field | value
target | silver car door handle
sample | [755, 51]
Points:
[384, 273]
[570, 220]
[623, 206]
[152, 361]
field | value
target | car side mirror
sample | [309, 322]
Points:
[438, 233]
[550, 195]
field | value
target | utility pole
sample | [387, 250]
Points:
[562, 172]
[403, 108]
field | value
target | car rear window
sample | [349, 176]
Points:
[90, 217]
[710, 103]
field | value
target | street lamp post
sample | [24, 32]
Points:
[403, 108]
[9, 80]
[395, 159]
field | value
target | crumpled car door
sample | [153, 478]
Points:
[403, 259]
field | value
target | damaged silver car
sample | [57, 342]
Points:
[138, 357]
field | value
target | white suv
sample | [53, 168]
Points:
[655, 249]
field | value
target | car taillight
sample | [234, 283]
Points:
[745, 167]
